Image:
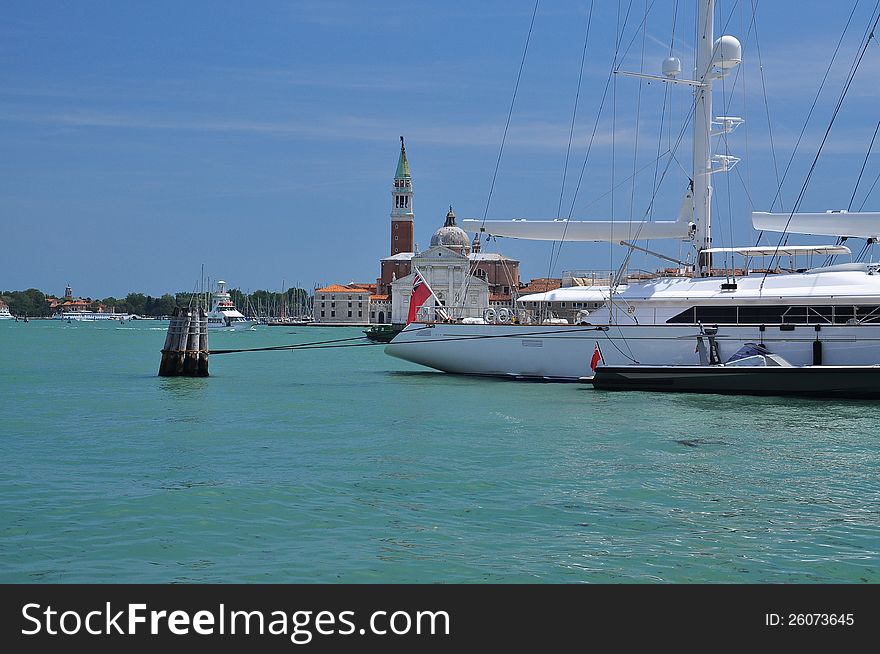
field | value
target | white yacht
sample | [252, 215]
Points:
[826, 315]
[4, 311]
[223, 314]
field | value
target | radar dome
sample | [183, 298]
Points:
[727, 53]
[671, 67]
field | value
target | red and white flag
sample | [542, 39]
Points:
[597, 357]
[420, 294]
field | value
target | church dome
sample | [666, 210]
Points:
[452, 236]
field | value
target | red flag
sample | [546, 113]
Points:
[597, 357]
[420, 293]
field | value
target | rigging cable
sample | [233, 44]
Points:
[504, 134]
[813, 105]
[510, 111]
[864, 163]
[853, 70]
[830, 258]
[571, 132]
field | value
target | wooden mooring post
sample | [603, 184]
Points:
[186, 344]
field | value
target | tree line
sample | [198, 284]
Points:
[34, 302]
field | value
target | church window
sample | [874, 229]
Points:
[396, 225]
[332, 314]
[322, 314]
[349, 304]
[395, 237]
[349, 314]
[360, 314]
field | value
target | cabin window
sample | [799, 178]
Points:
[716, 314]
[868, 314]
[780, 314]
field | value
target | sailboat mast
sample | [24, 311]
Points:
[702, 128]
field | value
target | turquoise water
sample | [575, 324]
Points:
[345, 465]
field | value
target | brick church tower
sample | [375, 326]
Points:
[402, 217]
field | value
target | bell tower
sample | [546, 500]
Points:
[402, 215]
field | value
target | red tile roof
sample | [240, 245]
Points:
[540, 285]
[338, 288]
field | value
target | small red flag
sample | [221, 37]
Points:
[597, 357]
[420, 294]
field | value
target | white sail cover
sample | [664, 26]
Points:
[862, 224]
[785, 250]
[576, 230]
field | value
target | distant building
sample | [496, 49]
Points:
[342, 305]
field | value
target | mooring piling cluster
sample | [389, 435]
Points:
[186, 344]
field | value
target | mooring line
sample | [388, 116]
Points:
[286, 347]
[326, 345]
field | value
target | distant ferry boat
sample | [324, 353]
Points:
[223, 314]
[90, 316]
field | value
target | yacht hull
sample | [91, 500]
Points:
[808, 381]
[234, 326]
[563, 353]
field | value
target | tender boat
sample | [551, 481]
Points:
[753, 370]
[382, 333]
[858, 382]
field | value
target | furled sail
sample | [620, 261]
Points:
[577, 230]
[862, 224]
[613, 231]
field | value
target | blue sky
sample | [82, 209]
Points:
[142, 139]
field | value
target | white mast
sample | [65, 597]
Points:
[714, 60]
[702, 126]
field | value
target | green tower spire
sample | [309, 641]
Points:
[402, 163]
